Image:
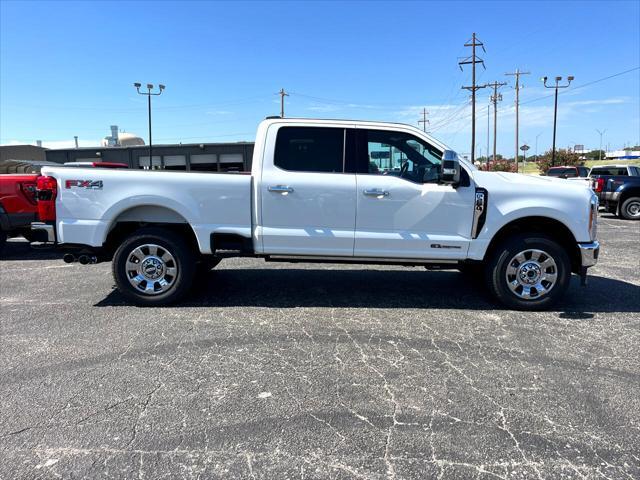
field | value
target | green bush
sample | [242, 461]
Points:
[499, 165]
[564, 157]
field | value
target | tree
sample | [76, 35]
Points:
[596, 155]
[563, 157]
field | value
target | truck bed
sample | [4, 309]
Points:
[208, 202]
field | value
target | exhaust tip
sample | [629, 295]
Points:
[87, 259]
[69, 258]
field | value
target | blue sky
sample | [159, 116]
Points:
[67, 68]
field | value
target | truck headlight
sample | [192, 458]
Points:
[593, 217]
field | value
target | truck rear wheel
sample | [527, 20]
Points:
[154, 267]
[630, 208]
[529, 272]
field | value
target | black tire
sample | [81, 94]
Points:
[501, 260]
[182, 260]
[630, 208]
[3, 240]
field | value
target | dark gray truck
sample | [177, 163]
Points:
[620, 194]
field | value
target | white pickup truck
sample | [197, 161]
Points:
[326, 191]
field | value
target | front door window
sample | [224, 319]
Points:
[402, 155]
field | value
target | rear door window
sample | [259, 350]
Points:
[560, 171]
[310, 149]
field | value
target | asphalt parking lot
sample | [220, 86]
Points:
[314, 371]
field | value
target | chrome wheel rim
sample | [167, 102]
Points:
[151, 269]
[531, 274]
[633, 208]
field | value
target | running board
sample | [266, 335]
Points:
[406, 262]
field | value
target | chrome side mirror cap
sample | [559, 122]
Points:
[450, 168]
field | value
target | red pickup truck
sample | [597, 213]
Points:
[18, 206]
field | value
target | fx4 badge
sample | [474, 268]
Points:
[89, 184]
[437, 245]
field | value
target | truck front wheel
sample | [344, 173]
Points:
[153, 267]
[529, 272]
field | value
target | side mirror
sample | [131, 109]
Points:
[450, 168]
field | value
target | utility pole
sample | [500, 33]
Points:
[555, 110]
[282, 94]
[149, 94]
[473, 59]
[424, 120]
[517, 74]
[495, 98]
[600, 150]
[488, 129]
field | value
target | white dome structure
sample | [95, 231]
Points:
[121, 139]
[129, 139]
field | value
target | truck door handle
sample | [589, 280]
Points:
[284, 189]
[376, 192]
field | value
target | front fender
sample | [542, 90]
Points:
[498, 218]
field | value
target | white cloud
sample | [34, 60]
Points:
[605, 101]
[323, 108]
[434, 110]
[56, 143]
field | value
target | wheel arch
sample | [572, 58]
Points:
[626, 194]
[132, 219]
[538, 224]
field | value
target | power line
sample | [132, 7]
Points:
[583, 85]
[451, 117]
[572, 89]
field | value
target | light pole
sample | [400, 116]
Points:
[555, 110]
[537, 146]
[149, 93]
[600, 149]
